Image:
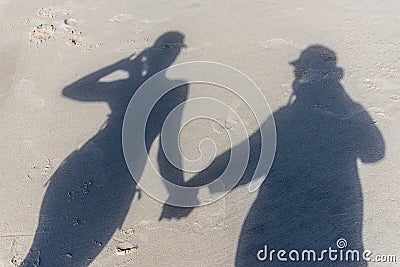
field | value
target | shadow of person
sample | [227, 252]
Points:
[312, 195]
[89, 195]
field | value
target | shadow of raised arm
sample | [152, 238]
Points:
[88, 89]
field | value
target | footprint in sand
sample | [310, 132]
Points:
[372, 85]
[279, 43]
[42, 33]
[377, 110]
[122, 18]
[395, 98]
[45, 13]
[74, 36]
[66, 28]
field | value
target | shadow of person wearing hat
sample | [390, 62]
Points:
[89, 195]
[312, 195]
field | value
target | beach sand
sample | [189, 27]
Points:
[46, 46]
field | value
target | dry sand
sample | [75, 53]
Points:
[48, 45]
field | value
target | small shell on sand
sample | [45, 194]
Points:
[70, 21]
[125, 248]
